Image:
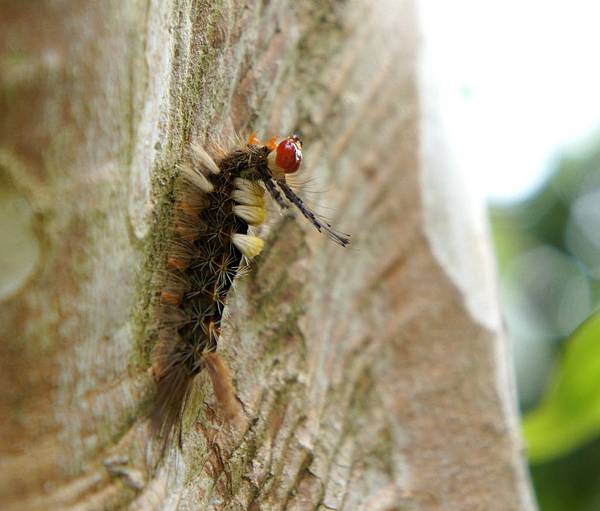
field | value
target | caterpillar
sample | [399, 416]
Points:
[217, 202]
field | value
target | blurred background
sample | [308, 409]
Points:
[518, 89]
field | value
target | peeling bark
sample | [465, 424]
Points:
[367, 381]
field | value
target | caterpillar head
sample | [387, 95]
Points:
[283, 159]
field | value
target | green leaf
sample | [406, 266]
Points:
[570, 414]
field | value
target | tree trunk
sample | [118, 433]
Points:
[372, 377]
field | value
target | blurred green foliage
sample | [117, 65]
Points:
[548, 250]
[569, 415]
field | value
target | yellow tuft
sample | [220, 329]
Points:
[252, 187]
[248, 198]
[248, 245]
[252, 215]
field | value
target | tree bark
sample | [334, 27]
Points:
[372, 378]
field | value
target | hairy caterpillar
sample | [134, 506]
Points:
[217, 202]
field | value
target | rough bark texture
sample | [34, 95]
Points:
[368, 380]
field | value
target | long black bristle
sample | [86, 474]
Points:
[340, 238]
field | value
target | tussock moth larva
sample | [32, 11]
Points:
[216, 204]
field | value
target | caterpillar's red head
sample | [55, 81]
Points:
[286, 157]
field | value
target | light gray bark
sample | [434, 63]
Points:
[368, 376]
